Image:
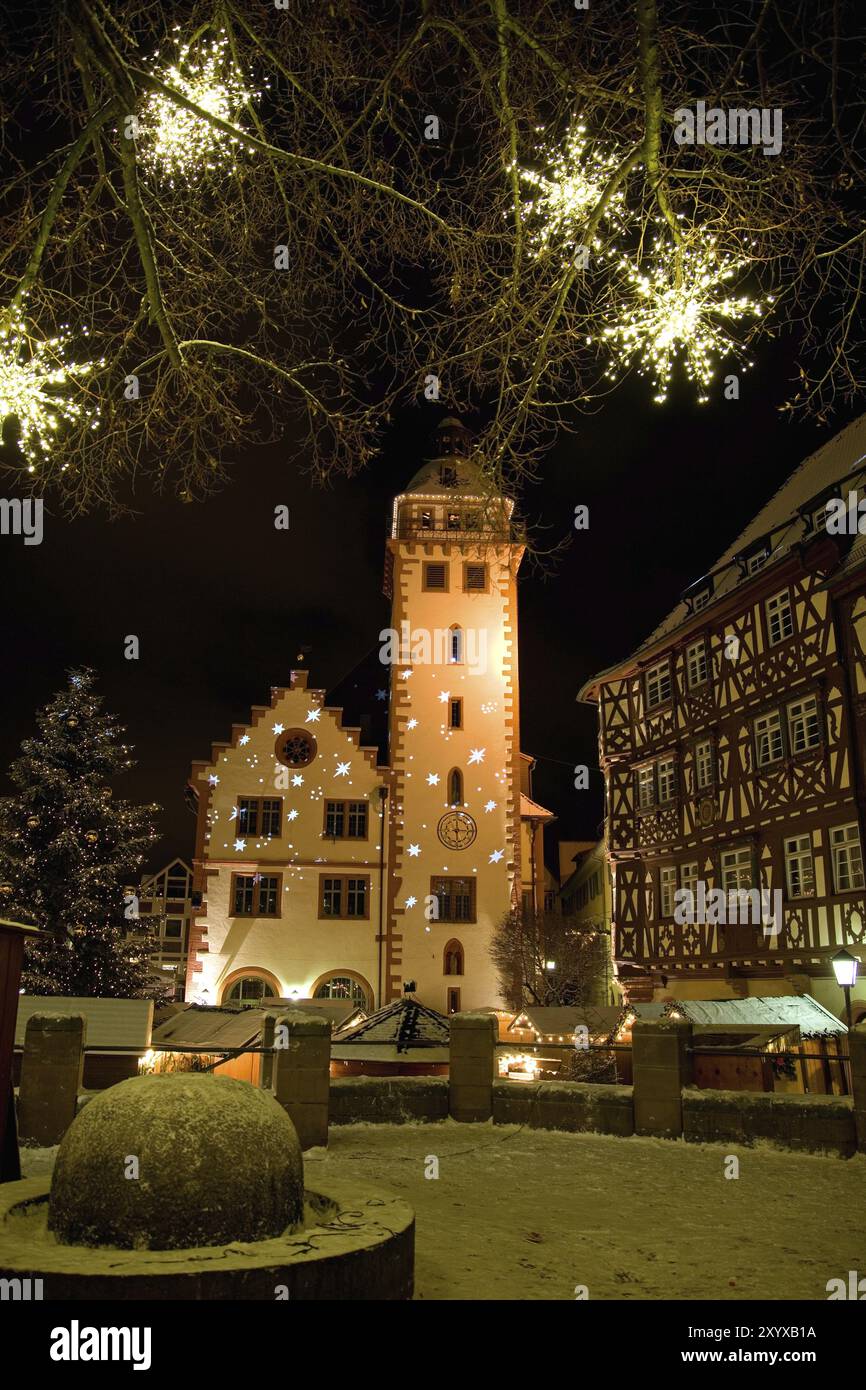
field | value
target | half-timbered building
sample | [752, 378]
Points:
[733, 744]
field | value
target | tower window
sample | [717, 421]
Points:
[453, 521]
[456, 897]
[452, 959]
[455, 713]
[448, 475]
[475, 578]
[436, 577]
[427, 521]
[456, 645]
[455, 787]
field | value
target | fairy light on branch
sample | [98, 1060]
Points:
[561, 200]
[177, 145]
[33, 373]
[681, 312]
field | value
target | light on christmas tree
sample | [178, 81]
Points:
[562, 200]
[33, 373]
[679, 312]
[175, 143]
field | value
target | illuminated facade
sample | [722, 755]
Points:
[324, 871]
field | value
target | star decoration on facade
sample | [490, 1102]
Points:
[313, 716]
[496, 856]
[213, 779]
[413, 724]
[414, 851]
[432, 779]
[477, 755]
[278, 728]
[244, 738]
[406, 674]
[240, 846]
[443, 696]
[298, 780]
[410, 902]
[342, 770]
[490, 806]
[381, 694]
[293, 815]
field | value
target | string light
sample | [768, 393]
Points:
[676, 313]
[562, 200]
[175, 143]
[31, 371]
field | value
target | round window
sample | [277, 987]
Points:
[296, 748]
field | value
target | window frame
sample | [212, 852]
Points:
[426, 586]
[256, 894]
[481, 588]
[668, 760]
[700, 646]
[651, 674]
[762, 764]
[344, 879]
[345, 813]
[835, 846]
[770, 613]
[709, 784]
[452, 879]
[819, 738]
[667, 890]
[794, 858]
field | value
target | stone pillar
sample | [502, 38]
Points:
[302, 1081]
[470, 1091]
[266, 1059]
[662, 1066]
[857, 1052]
[51, 1071]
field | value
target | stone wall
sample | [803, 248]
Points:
[391, 1100]
[812, 1124]
[569, 1105]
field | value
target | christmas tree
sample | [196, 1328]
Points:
[68, 850]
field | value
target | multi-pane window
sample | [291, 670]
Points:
[768, 738]
[667, 779]
[689, 874]
[658, 684]
[259, 815]
[455, 897]
[736, 869]
[780, 619]
[346, 820]
[756, 562]
[701, 599]
[804, 730]
[703, 764]
[256, 895]
[646, 787]
[847, 858]
[343, 896]
[696, 663]
[667, 890]
[799, 866]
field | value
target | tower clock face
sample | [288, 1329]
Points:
[457, 830]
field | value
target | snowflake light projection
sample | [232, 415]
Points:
[175, 144]
[561, 201]
[677, 313]
[32, 372]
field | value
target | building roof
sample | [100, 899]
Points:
[560, 1021]
[209, 1027]
[111, 1023]
[784, 1010]
[406, 1024]
[840, 462]
[530, 810]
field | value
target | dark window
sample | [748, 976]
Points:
[256, 895]
[346, 820]
[296, 748]
[453, 959]
[453, 1001]
[456, 899]
[455, 787]
[452, 521]
[248, 816]
[344, 897]
[357, 820]
[456, 644]
[335, 819]
[455, 713]
[475, 578]
[259, 815]
[448, 476]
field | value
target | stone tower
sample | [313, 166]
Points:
[454, 734]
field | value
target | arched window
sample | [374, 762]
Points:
[249, 989]
[455, 787]
[452, 959]
[344, 986]
[455, 653]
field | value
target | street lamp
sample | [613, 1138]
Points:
[845, 967]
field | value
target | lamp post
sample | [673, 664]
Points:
[845, 967]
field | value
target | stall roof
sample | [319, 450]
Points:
[405, 1023]
[111, 1023]
[783, 1010]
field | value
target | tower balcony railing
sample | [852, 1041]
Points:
[414, 531]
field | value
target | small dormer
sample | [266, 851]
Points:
[699, 594]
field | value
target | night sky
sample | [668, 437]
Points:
[221, 601]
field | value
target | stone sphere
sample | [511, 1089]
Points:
[176, 1162]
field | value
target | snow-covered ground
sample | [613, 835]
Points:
[531, 1214]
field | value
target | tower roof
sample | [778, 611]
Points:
[448, 468]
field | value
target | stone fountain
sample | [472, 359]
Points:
[191, 1186]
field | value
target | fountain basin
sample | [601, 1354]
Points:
[353, 1244]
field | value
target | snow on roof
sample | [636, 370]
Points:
[110, 1022]
[207, 1027]
[406, 1023]
[557, 1021]
[784, 1010]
